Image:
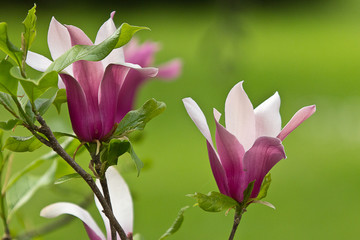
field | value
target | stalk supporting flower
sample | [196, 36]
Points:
[121, 202]
[99, 94]
[251, 143]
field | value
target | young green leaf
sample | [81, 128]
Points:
[34, 88]
[8, 84]
[264, 187]
[7, 47]
[7, 102]
[138, 163]
[214, 201]
[21, 192]
[42, 105]
[60, 99]
[95, 52]
[115, 149]
[137, 119]
[22, 144]
[30, 29]
[176, 225]
[10, 124]
[67, 177]
[247, 193]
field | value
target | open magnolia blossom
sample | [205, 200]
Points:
[99, 94]
[251, 143]
[121, 203]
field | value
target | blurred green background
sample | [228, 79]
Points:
[308, 51]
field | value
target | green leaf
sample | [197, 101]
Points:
[138, 163]
[95, 52]
[137, 119]
[22, 191]
[22, 144]
[138, 237]
[7, 102]
[33, 165]
[34, 88]
[114, 150]
[264, 187]
[10, 124]
[30, 29]
[60, 99]
[214, 201]
[176, 225]
[7, 47]
[247, 193]
[8, 84]
[67, 178]
[42, 105]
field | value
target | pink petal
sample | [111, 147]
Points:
[109, 90]
[239, 116]
[58, 39]
[121, 201]
[128, 92]
[57, 209]
[89, 75]
[299, 117]
[144, 55]
[199, 119]
[105, 31]
[170, 70]
[261, 157]
[231, 153]
[78, 108]
[267, 117]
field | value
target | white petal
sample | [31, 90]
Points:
[58, 39]
[60, 208]
[267, 117]
[198, 118]
[239, 116]
[105, 31]
[121, 201]
[37, 61]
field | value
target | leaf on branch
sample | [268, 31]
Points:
[67, 177]
[22, 144]
[60, 99]
[114, 150]
[137, 119]
[247, 193]
[176, 225]
[214, 201]
[7, 102]
[264, 187]
[7, 47]
[22, 191]
[138, 163]
[95, 52]
[34, 88]
[30, 29]
[10, 124]
[8, 84]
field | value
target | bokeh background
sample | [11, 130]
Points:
[308, 51]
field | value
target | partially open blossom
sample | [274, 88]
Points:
[121, 203]
[99, 94]
[251, 143]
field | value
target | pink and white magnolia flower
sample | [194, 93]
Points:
[251, 143]
[100, 93]
[121, 203]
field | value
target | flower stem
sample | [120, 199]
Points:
[55, 145]
[237, 218]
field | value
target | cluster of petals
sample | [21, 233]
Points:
[251, 143]
[99, 94]
[121, 203]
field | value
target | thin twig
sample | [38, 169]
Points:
[237, 218]
[54, 144]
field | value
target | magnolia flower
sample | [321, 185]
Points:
[251, 143]
[98, 93]
[121, 203]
